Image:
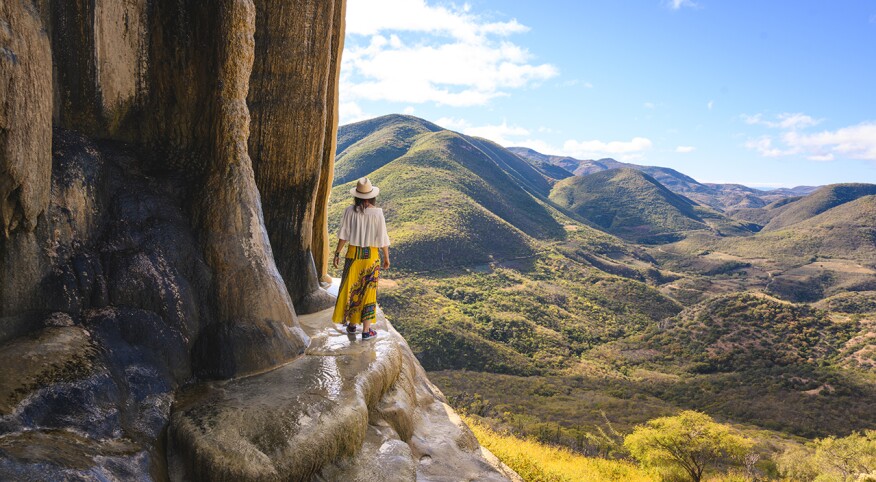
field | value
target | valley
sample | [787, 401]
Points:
[566, 300]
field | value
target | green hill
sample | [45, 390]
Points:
[527, 314]
[761, 215]
[816, 203]
[366, 146]
[771, 362]
[741, 332]
[552, 171]
[717, 196]
[846, 231]
[450, 200]
[635, 206]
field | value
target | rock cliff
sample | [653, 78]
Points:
[164, 171]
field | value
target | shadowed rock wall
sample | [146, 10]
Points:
[172, 79]
[133, 231]
[291, 102]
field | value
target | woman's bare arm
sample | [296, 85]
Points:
[385, 250]
[337, 257]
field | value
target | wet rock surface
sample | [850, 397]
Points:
[87, 382]
[347, 410]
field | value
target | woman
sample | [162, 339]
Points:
[364, 228]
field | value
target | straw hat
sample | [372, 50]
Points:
[364, 189]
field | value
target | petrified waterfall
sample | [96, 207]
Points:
[220, 97]
[164, 171]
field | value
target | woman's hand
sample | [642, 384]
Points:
[385, 251]
[336, 260]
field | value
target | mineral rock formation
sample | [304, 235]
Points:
[164, 171]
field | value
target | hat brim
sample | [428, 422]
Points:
[370, 195]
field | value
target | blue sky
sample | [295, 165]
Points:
[763, 93]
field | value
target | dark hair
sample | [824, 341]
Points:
[360, 203]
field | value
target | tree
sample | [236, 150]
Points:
[842, 459]
[690, 441]
[854, 456]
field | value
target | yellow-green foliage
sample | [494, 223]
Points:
[537, 462]
[851, 458]
[628, 203]
[690, 441]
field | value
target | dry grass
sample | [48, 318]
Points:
[536, 462]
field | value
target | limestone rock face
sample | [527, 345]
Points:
[164, 171]
[25, 116]
[291, 101]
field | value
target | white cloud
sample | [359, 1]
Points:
[596, 149]
[821, 157]
[685, 149]
[453, 123]
[502, 134]
[409, 110]
[649, 105]
[447, 56]
[371, 17]
[765, 147]
[710, 104]
[783, 121]
[513, 135]
[677, 4]
[349, 112]
[873, 18]
[851, 142]
[855, 142]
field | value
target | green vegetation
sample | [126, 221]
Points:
[635, 206]
[532, 316]
[846, 232]
[751, 333]
[717, 196]
[816, 203]
[628, 203]
[550, 314]
[690, 442]
[366, 146]
[851, 458]
[451, 200]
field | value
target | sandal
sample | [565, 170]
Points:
[368, 334]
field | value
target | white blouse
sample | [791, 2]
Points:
[364, 229]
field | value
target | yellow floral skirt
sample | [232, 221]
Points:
[357, 296]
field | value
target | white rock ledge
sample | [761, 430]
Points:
[347, 409]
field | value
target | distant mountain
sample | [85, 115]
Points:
[816, 203]
[449, 199]
[718, 196]
[635, 206]
[788, 211]
[551, 169]
[845, 231]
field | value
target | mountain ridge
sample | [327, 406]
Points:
[719, 196]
